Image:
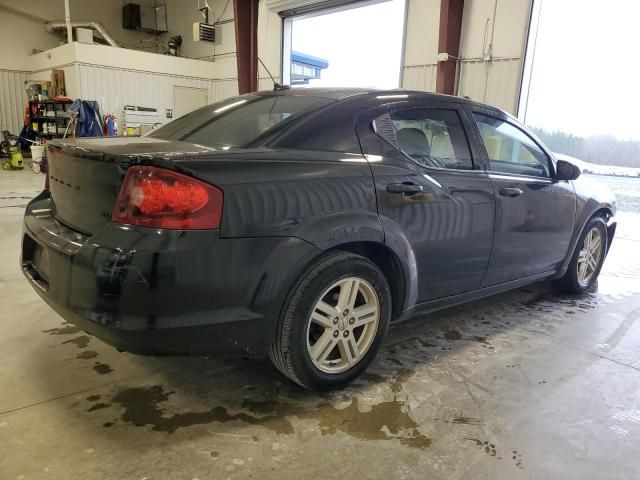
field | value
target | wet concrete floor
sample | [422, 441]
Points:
[528, 384]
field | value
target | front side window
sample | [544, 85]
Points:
[431, 137]
[510, 150]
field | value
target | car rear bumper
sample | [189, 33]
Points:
[155, 291]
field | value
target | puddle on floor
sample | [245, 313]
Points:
[102, 368]
[87, 355]
[386, 420]
[81, 341]
[66, 329]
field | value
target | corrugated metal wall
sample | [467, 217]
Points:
[492, 47]
[114, 88]
[420, 77]
[495, 82]
[12, 100]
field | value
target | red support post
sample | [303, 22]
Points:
[245, 13]
[449, 43]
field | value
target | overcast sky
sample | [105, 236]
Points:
[374, 32]
[586, 76]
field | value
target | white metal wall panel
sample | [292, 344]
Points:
[13, 98]
[495, 83]
[422, 31]
[492, 46]
[114, 88]
[221, 89]
[420, 77]
[269, 42]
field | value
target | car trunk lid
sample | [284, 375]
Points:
[85, 175]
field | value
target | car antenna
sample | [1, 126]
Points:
[276, 85]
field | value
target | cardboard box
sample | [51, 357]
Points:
[57, 81]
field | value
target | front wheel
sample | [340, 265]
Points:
[587, 259]
[333, 323]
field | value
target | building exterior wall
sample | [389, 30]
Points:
[114, 88]
[13, 98]
[421, 45]
[492, 49]
[494, 34]
[128, 77]
[269, 46]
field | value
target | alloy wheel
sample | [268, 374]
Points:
[343, 325]
[590, 256]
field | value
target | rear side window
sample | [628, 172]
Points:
[239, 121]
[431, 137]
[511, 150]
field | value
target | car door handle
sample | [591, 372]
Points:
[404, 188]
[511, 191]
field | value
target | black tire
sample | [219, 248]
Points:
[569, 282]
[289, 352]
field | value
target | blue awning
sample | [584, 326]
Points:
[310, 60]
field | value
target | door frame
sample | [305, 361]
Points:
[499, 115]
[399, 160]
[478, 153]
[173, 96]
[325, 8]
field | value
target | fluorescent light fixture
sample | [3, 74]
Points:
[388, 97]
[231, 105]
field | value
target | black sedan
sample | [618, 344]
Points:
[303, 222]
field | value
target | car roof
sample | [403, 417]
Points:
[330, 93]
[374, 95]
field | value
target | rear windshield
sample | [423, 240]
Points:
[239, 121]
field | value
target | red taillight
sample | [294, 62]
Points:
[161, 198]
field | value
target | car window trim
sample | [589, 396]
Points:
[519, 177]
[455, 108]
[551, 164]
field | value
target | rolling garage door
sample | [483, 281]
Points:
[289, 8]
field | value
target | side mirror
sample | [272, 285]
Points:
[566, 170]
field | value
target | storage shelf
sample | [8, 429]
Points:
[43, 117]
[50, 102]
[55, 115]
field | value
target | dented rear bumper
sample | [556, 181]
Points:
[155, 291]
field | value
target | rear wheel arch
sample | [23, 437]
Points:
[388, 262]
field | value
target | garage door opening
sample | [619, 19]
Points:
[349, 46]
[579, 107]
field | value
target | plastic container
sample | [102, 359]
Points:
[37, 153]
